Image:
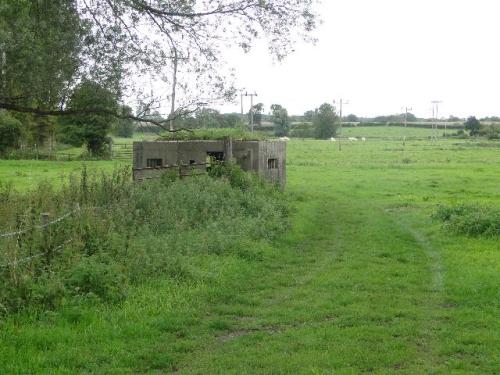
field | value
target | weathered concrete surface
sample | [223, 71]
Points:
[266, 158]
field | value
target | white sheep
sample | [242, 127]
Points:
[333, 139]
[363, 139]
[353, 139]
[285, 139]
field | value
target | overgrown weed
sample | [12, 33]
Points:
[116, 233]
[471, 220]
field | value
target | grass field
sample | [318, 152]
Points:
[365, 281]
[24, 174]
[390, 132]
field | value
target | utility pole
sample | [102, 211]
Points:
[435, 114]
[174, 88]
[202, 105]
[251, 95]
[341, 102]
[241, 101]
[406, 121]
[176, 56]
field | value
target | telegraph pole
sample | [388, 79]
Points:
[341, 102]
[251, 95]
[406, 121]
[241, 101]
[435, 112]
[202, 105]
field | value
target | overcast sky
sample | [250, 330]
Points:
[386, 54]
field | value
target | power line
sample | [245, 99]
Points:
[251, 95]
[341, 103]
[406, 121]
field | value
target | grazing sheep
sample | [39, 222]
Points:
[285, 139]
[333, 139]
[353, 139]
[363, 139]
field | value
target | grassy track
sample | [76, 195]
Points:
[364, 282]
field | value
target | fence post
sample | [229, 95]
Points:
[44, 221]
[110, 146]
[44, 218]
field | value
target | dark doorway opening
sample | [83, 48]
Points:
[214, 157]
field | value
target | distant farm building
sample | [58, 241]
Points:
[266, 158]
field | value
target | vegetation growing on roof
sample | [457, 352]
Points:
[213, 134]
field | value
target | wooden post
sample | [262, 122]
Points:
[44, 221]
[110, 145]
[44, 218]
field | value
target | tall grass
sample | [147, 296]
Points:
[120, 233]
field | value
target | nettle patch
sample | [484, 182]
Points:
[473, 220]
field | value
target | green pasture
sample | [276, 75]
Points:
[392, 132]
[118, 144]
[365, 280]
[26, 174]
[23, 174]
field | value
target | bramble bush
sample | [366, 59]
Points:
[122, 233]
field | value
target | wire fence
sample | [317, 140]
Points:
[44, 224]
[27, 259]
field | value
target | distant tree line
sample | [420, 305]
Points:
[206, 118]
[90, 130]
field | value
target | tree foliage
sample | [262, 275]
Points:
[40, 44]
[280, 120]
[308, 115]
[10, 132]
[472, 125]
[352, 118]
[208, 118]
[397, 118]
[51, 45]
[89, 129]
[324, 122]
[258, 110]
[124, 127]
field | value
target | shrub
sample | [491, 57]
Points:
[97, 277]
[303, 130]
[491, 132]
[473, 126]
[470, 219]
